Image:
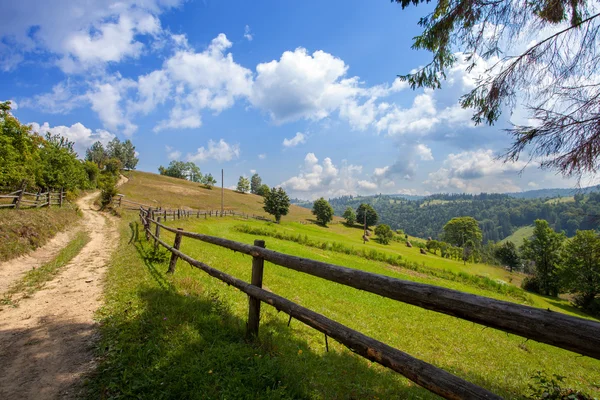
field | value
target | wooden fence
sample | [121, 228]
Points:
[21, 199]
[571, 333]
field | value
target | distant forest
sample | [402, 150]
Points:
[499, 215]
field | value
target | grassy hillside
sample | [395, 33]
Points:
[182, 336]
[163, 191]
[517, 237]
[24, 230]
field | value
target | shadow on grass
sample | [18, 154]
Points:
[569, 308]
[180, 340]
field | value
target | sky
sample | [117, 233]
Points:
[305, 93]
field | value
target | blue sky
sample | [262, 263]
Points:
[304, 93]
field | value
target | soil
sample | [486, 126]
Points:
[46, 342]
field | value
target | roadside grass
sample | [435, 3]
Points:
[524, 232]
[24, 230]
[182, 336]
[35, 279]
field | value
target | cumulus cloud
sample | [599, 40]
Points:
[218, 151]
[81, 136]
[323, 178]
[471, 171]
[302, 85]
[295, 141]
[106, 98]
[424, 152]
[172, 154]
[248, 34]
[79, 37]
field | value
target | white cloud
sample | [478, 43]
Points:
[248, 34]
[252, 171]
[323, 179]
[82, 137]
[295, 141]
[301, 85]
[61, 100]
[218, 151]
[532, 185]
[106, 98]
[262, 156]
[172, 154]
[475, 171]
[424, 152]
[80, 36]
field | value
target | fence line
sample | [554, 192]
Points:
[22, 198]
[571, 333]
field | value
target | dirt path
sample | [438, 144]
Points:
[45, 343]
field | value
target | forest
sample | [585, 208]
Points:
[499, 215]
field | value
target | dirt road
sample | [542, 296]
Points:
[46, 342]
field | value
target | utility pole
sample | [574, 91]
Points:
[222, 193]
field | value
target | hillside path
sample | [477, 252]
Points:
[46, 341]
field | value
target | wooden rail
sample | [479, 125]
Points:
[21, 198]
[571, 333]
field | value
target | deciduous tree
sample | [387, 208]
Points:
[508, 255]
[580, 270]
[384, 233]
[277, 203]
[243, 185]
[255, 183]
[323, 211]
[349, 216]
[367, 209]
[459, 230]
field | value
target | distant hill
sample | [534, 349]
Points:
[550, 193]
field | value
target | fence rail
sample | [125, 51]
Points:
[21, 198]
[560, 330]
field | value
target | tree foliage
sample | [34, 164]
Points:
[323, 211]
[543, 249]
[349, 216]
[243, 185]
[182, 170]
[277, 203]
[580, 269]
[554, 76]
[255, 184]
[263, 190]
[384, 233]
[369, 211]
[508, 255]
[460, 230]
[208, 181]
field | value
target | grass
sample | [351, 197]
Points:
[163, 191]
[565, 199]
[24, 230]
[36, 278]
[182, 336]
[517, 236]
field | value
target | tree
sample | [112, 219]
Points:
[544, 250]
[349, 216]
[255, 183]
[182, 170]
[580, 271]
[243, 185]
[113, 166]
[277, 203]
[263, 190]
[459, 230]
[97, 154]
[508, 255]
[59, 165]
[555, 77]
[367, 209]
[384, 233]
[129, 159]
[208, 181]
[323, 211]
[468, 250]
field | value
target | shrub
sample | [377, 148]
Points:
[531, 284]
[108, 190]
[550, 388]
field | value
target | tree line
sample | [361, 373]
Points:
[50, 161]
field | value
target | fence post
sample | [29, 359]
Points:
[60, 201]
[157, 233]
[17, 201]
[174, 258]
[254, 303]
[48, 197]
[148, 223]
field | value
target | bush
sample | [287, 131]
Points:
[531, 284]
[590, 307]
[108, 190]
[550, 388]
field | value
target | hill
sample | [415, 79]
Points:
[518, 235]
[551, 193]
[183, 334]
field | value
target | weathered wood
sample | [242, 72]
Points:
[48, 201]
[6, 196]
[17, 201]
[157, 233]
[571, 333]
[254, 303]
[424, 374]
[176, 246]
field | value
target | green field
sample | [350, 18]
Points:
[182, 336]
[524, 232]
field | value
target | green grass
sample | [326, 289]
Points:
[182, 336]
[566, 199]
[36, 278]
[24, 230]
[524, 232]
